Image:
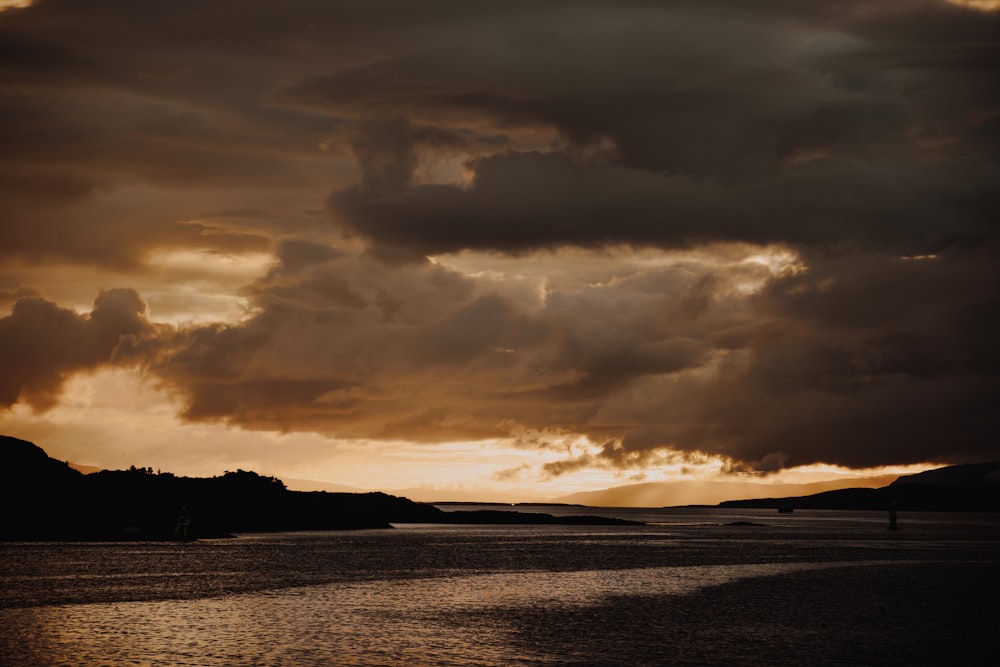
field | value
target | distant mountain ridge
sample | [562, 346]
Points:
[973, 487]
[47, 499]
[296, 484]
[684, 492]
[967, 473]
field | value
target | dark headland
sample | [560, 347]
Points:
[973, 487]
[46, 499]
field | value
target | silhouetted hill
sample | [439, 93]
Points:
[969, 474]
[32, 465]
[46, 499]
[34, 486]
[961, 488]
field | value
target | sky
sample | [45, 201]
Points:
[503, 250]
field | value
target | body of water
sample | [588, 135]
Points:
[818, 588]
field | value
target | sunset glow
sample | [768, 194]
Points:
[14, 4]
[667, 251]
[984, 5]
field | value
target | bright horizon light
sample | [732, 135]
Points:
[983, 5]
[15, 4]
[118, 419]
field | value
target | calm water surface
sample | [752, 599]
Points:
[826, 588]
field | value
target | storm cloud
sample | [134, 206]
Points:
[681, 124]
[765, 231]
[855, 360]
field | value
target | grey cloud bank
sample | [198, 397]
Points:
[366, 145]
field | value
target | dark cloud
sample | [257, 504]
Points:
[861, 360]
[676, 357]
[865, 119]
[518, 202]
[41, 344]
[866, 124]
[351, 346]
[856, 139]
[112, 135]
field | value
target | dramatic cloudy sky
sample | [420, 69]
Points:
[509, 247]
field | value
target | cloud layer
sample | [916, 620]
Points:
[766, 231]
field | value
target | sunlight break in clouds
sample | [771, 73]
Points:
[984, 5]
[14, 4]
[116, 419]
[191, 287]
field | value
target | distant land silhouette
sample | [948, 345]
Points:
[46, 499]
[973, 487]
[295, 484]
[710, 492]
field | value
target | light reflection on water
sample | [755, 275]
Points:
[840, 590]
[383, 622]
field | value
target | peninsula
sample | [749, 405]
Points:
[46, 499]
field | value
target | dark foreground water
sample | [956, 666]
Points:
[813, 588]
